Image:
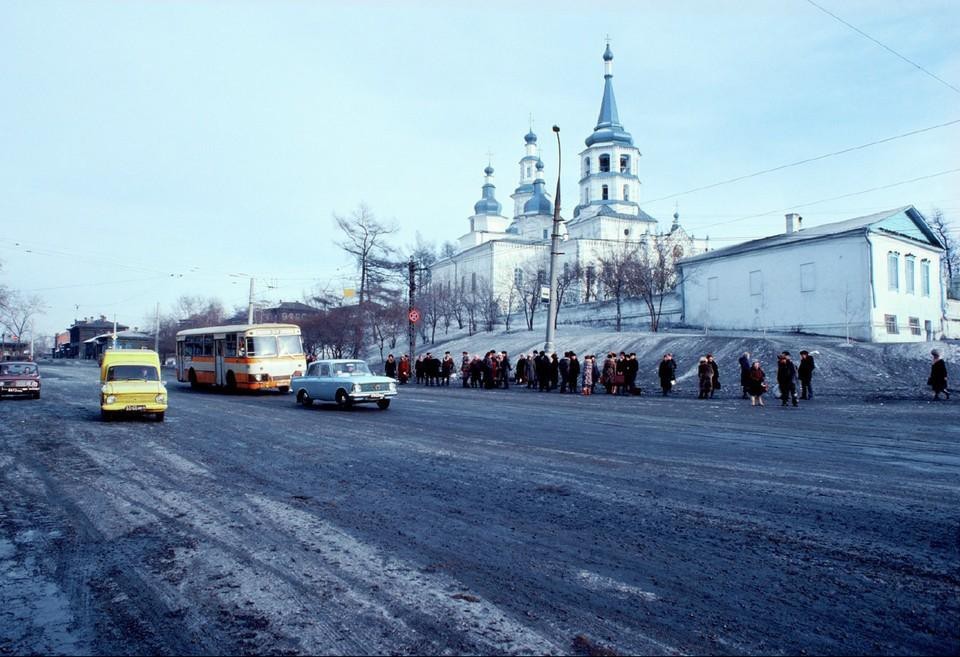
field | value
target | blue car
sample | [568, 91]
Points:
[346, 382]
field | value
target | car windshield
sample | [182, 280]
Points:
[18, 369]
[350, 368]
[132, 373]
[289, 345]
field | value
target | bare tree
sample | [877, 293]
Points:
[365, 238]
[951, 254]
[528, 278]
[617, 267]
[655, 274]
[488, 304]
[570, 277]
[18, 311]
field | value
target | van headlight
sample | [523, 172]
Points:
[111, 399]
[161, 399]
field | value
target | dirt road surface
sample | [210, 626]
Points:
[463, 521]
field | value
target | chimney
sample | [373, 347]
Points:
[792, 218]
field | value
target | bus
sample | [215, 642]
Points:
[241, 357]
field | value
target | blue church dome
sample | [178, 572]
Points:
[538, 203]
[488, 204]
[539, 164]
[530, 138]
[489, 170]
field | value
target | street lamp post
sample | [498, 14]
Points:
[554, 252]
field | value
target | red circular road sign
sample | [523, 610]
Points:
[414, 315]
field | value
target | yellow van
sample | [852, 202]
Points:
[130, 382]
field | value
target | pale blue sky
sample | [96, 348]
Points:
[200, 139]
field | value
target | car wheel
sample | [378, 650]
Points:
[343, 401]
[383, 404]
[304, 399]
[36, 395]
[158, 416]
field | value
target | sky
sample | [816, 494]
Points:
[150, 150]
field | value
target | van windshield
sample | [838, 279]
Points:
[132, 373]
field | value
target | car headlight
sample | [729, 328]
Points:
[111, 399]
[356, 387]
[161, 399]
[393, 387]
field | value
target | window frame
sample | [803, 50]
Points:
[893, 326]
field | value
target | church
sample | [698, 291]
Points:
[499, 255]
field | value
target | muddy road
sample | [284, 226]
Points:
[464, 521]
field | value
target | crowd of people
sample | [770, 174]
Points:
[617, 374]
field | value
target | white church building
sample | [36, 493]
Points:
[498, 250]
[875, 278]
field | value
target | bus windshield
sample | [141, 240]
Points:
[262, 345]
[132, 373]
[290, 345]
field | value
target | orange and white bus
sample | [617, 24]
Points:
[241, 357]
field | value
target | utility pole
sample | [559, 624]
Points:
[156, 330]
[554, 252]
[250, 304]
[411, 327]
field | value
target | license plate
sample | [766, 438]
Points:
[135, 408]
[376, 396]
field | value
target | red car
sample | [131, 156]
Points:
[19, 378]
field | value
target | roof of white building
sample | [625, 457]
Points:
[889, 221]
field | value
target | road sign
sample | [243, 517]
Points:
[414, 316]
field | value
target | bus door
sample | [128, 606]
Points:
[218, 368]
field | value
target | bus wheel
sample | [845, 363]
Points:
[342, 400]
[192, 377]
[284, 389]
[304, 399]
[231, 381]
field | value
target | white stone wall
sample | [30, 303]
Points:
[899, 302]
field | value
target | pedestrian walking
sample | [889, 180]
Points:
[666, 372]
[805, 373]
[609, 372]
[756, 383]
[574, 372]
[465, 369]
[938, 376]
[715, 376]
[705, 377]
[588, 366]
[563, 369]
[390, 367]
[504, 370]
[403, 370]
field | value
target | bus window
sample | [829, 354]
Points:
[262, 346]
[230, 345]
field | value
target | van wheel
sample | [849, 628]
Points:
[304, 399]
[106, 415]
[342, 400]
[158, 416]
[192, 377]
[383, 404]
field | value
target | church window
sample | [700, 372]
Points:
[586, 166]
[925, 277]
[528, 172]
[544, 233]
[473, 282]
[605, 193]
[626, 192]
[604, 163]
[626, 232]
[893, 271]
[518, 277]
[587, 195]
[624, 164]
[463, 283]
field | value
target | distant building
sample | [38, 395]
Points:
[84, 329]
[10, 349]
[874, 278]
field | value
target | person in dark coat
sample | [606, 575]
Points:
[805, 373]
[574, 372]
[465, 369]
[520, 372]
[403, 370]
[563, 369]
[504, 371]
[705, 377]
[745, 373]
[533, 369]
[787, 379]
[543, 371]
[630, 370]
[938, 376]
[476, 372]
[418, 369]
[714, 376]
[665, 372]
[756, 383]
[390, 367]
[446, 369]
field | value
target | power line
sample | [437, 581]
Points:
[807, 160]
[885, 47]
[834, 198]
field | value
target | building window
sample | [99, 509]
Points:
[925, 277]
[626, 232]
[909, 269]
[893, 270]
[518, 277]
[604, 163]
[586, 195]
[624, 164]
[605, 193]
[528, 172]
[891, 322]
[713, 288]
[463, 283]
[473, 282]
[756, 283]
[626, 192]
[544, 233]
[586, 166]
[915, 325]
[808, 278]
